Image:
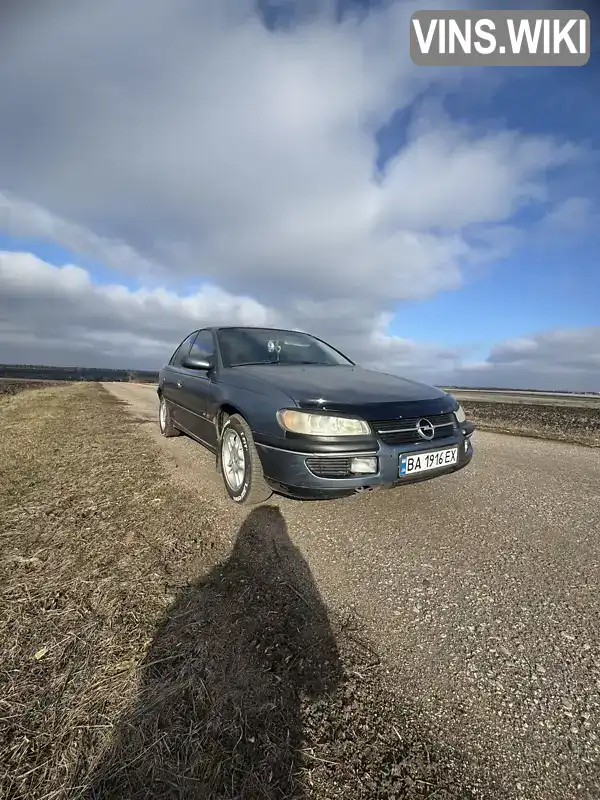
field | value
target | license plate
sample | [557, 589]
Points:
[421, 462]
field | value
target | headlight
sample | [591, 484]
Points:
[321, 424]
[460, 414]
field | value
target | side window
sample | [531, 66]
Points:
[182, 350]
[204, 345]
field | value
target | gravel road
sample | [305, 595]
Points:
[479, 589]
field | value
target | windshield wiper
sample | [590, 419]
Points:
[282, 363]
[253, 363]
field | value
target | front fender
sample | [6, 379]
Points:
[257, 406]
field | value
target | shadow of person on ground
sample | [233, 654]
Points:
[218, 713]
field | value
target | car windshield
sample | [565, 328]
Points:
[247, 346]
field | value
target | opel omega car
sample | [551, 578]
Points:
[285, 411]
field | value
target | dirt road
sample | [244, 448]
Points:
[480, 589]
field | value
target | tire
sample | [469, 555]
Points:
[245, 485]
[165, 423]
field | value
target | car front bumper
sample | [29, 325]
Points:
[287, 471]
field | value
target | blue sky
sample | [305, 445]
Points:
[234, 181]
[549, 282]
[52, 252]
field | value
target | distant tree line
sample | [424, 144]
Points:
[37, 372]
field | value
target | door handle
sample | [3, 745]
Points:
[179, 384]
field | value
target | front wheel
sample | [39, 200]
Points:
[240, 463]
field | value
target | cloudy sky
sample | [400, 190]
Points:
[169, 164]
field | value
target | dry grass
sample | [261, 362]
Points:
[143, 657]
[85, 563]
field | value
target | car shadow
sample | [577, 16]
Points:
[218, 713]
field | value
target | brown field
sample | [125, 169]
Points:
[10, 386]
[145, 656]
[577, 424]
[528, 398]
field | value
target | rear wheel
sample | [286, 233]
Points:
[240, 463]
[164, 420]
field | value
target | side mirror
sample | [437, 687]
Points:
[189, 362]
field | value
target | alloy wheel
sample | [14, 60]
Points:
[233, 459]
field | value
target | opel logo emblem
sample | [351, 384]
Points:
[425, 429]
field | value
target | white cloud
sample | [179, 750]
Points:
[557, 359]
[449, 178]
[21, 218]
[573, 215]
[57, 315]
[214, 146]
[181, 141]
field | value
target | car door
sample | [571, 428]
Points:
[172, 385]
[198, 386]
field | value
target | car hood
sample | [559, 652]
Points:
[373, 394]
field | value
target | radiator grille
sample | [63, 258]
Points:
[404, 431]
